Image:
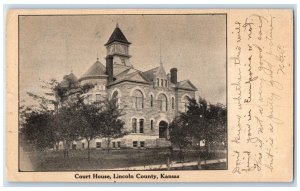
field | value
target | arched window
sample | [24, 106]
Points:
[185, 103]
[162, 83]
[151, 100]
[134, 125]
[173, 103]
[157, 80]
[162, 102]
[138, 99]
[115, 98]
[151, 125]
[166, 83]
[141, 125]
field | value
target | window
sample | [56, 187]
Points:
[119, 144]
[157, 82]
[162, 82]
[134, 143]
[114, 144]
[134, 124]
[141, 125]
[151, 100]
[162, 100]
[83, 145]
[142, 144]
[166, 83]
[98, 145]
[173, 103]
[151, 125]
[185, 103]
[123, 61]
[115, 98]
[138, 99]
[98, 97]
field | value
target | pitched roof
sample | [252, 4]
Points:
[119, 68]
[132, 75]
[150, 73]
[186, 85]
[96, 70]
[118, 36]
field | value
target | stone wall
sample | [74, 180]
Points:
[125, 90]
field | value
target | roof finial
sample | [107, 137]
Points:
[117, 25]
[97, 55]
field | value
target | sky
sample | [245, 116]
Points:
[53, 46]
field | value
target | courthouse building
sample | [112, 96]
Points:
[151, 98]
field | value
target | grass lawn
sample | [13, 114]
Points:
[100, 159]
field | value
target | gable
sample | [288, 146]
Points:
[186, 85]
[161, 73]
[137, 77]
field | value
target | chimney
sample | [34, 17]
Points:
[109, 68]
[173, 72]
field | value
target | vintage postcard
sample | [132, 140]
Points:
[150, 95]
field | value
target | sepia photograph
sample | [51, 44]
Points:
[122, 92]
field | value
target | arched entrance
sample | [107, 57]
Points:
[163, 126]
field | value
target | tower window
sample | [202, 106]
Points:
[157, 82]
[162, 82]
[166, 83]
[123, 61]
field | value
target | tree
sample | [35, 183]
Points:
[67, 122]
[54, 95]
[180, 133]
[38, 129]
[112, 126]
[61, 101]
[91, 117]
[202, 122]
[207, 122]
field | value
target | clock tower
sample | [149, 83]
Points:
[117, 46]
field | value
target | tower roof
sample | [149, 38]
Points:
[117, 36]
[69, 80]
[96, 70]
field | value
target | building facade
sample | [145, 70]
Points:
[151, 99]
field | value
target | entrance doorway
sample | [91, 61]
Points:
[163, 126]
